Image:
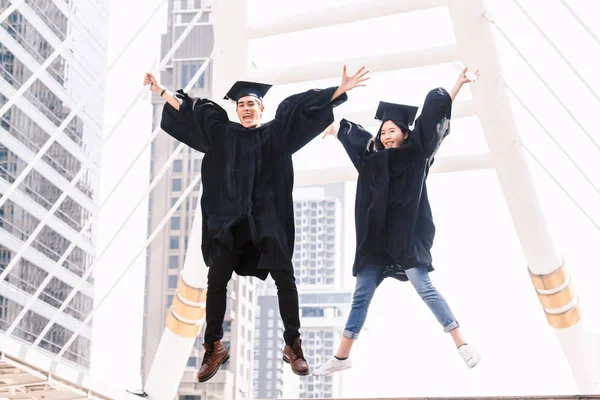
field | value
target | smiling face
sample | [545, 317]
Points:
[250, 110]
[392, 135]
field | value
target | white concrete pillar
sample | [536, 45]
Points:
[476, 47]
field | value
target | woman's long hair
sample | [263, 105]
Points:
[379, 146]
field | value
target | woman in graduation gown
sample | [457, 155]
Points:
[247, 208]
[394, 225]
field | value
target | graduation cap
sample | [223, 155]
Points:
[396, 112]
[242, 89]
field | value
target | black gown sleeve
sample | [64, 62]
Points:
[303, 116]
[434, 121]
[196, 123]
[357, 142]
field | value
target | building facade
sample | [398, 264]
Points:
[29, 35]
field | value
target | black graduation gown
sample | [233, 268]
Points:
[394, 225]
[248, 176]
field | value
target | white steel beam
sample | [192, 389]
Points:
[60, 91]
[56, 224]
[13, 6]
[355, 11]
[42, 223]
[460, 109]
[54, 176]
[43, 121]
[101, 301]
[470, 19]
[44, 263]
[377, 63]
[326, 176]
[67, 252]
[44, 309]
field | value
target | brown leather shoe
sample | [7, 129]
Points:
[215, 354]
[294, 356]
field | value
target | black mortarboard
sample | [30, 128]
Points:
[242, 88]
[396, 112]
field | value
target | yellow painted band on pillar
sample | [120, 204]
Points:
[186, 311]
[565, 319]
[558, 299]
[181, 328]
[550, 281]
[190, 293]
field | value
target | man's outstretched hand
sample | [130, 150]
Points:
[350, 82]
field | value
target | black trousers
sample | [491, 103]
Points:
[220, 275]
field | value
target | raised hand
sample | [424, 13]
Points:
[331, 130]
[150, 79]
[356, 80]
[466, 76]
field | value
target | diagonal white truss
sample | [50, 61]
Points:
[66, 192]
[88, 273]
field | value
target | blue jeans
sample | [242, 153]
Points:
[368, 279]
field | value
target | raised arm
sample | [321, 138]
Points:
[433, 125]
[303, 116]
[462, 79]
[357, 141]
[434, 121]
[193, 121]
[156, 87]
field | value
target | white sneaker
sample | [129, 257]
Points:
[469, 355]
[333, 365]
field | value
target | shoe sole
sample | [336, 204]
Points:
[333, 372]
[223, 361]
[285, 359]
[477, 360]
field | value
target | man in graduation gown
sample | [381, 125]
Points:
[247, 208]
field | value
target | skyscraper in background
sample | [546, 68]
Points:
[166, 254]
[318, 262]
[28, 36]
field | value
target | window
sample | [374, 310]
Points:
[174, 244]
[270, 323]
[194, 203]
[176, 185]
[173, 262]
[188, 69]
[197, 163]
[191, 362]
[227, 326]
[177, 165]
[169, 300]
[173, 281]
[175, 223]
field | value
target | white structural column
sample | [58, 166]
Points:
[551, 281]
[183, 324]
[187, 312]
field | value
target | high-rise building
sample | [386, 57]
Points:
[166, 254]
[318, 263]
[29, 35]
